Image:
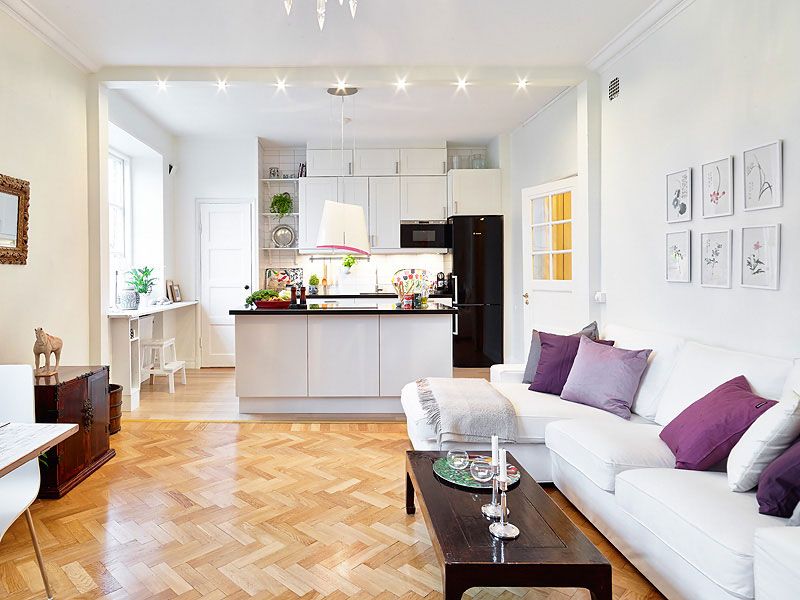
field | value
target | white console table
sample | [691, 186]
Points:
[126, 354]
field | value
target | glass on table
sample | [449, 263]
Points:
[481, 469]
[458, 459]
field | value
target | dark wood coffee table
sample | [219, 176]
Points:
[550, 551]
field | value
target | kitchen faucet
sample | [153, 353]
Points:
[377, 285]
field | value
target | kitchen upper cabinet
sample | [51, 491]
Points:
[423, 161]
[423, 198]
[376, 161]
[475, 192]
[355, 190]
[384, 212]
[324, 163]
[314, 191]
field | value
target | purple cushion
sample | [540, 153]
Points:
[706, 431]
[605, 377]
[555, 362]
[779, 485]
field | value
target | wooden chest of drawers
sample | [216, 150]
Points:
[74, 395]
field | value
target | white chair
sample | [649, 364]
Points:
[18, 489]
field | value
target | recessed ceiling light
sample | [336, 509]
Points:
[281, 85]
[522, 83]
[341, 85]
[161, 84]
[222, 85]
[462, 84]
[401, 84]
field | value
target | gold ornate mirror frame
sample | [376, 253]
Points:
[17, 255]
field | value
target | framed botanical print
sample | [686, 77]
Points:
[679, 196]
[716, 258]
[717, 179]
[679, 256]
[761, 256]
[763, 177]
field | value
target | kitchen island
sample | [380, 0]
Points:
[332, 359]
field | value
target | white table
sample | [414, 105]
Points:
[126, 354]
[20, 442]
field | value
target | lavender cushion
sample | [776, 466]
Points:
[555, 362]
[706, 431]
[779, 485]
[605, 377]
[535, 352]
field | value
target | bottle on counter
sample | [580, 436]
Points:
[293, 291]
[302, 295]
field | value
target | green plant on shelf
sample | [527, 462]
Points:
[142, 280]
[348, 261]
[281, 204]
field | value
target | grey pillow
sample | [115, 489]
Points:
[535, 352]
[605, 377]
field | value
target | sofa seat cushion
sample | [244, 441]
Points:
[535, 411]
[601, 450]
[696, 515]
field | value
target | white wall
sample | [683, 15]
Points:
[712, 82]
[542, 150]
[43, 108]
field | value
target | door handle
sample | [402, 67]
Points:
[444, 167]
[350, 168]
[455, 324]
[455, 207]
[247, 287]
[455, 292]
[525, 295]
[397, 167]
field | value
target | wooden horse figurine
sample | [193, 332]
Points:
[46, 344]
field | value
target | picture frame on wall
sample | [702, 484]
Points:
[716, 258]
[679, 256]
[176, 293]
[717, 179]
[761, 257]
[679, 196]
[763, 176]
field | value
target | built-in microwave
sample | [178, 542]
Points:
[424, 234]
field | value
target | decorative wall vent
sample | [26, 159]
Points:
[613, 88]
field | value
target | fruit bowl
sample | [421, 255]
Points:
[272, 304]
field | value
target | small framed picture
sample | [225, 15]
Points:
[718, 188]
[716, 258]
[761, 257]
[169, 284]
[679, 256]
[679, 196]
[763, 177]
[176, 293]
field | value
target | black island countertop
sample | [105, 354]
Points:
[372, 295]
[313, 308]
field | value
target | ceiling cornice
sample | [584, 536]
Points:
[35, 22]
[654, 18]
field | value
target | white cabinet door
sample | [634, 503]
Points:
[376, 161]
[324, 163]
[475, 192]
[384, 212]
[314, 191]
[343, 355]
[423, 198]
[423, 161]
[355, 190]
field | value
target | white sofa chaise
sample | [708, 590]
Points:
[685, 531]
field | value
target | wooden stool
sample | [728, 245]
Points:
[160, 359]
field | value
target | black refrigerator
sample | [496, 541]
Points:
[477, 252]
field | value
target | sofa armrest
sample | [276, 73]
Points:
[775, 559]
[506, 373]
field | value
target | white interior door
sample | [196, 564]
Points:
[226, 255]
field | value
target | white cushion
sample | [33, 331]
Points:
[765, 440]
[699, 369]
[535, 411]
[792, 384]
[601, 450]
[777, 555]
[794, 520]
[700, 519]
[665, 349]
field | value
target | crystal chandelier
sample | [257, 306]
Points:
[321, 6]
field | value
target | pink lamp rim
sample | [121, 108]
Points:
[348, 248]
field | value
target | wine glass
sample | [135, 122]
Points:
[458, 459]
[481, 470]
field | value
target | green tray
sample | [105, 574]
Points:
[462, 478]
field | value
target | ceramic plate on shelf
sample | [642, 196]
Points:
[408, 281]
[283, 236]
[278, 278]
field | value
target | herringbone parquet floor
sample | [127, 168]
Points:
[244, 510]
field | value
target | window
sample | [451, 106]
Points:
[119, 217]
[551, 237]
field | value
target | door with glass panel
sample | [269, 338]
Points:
[547, 241]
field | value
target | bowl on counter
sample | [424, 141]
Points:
[272, 304]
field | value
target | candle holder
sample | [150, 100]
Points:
[502, 529]
[492, 510]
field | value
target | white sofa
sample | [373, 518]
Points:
[685, 531]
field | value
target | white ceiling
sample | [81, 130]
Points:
[257, 33]
[303, 113]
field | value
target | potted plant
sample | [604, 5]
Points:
[348, 262]
[313, 282]
[141, 281]
[281, 204]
